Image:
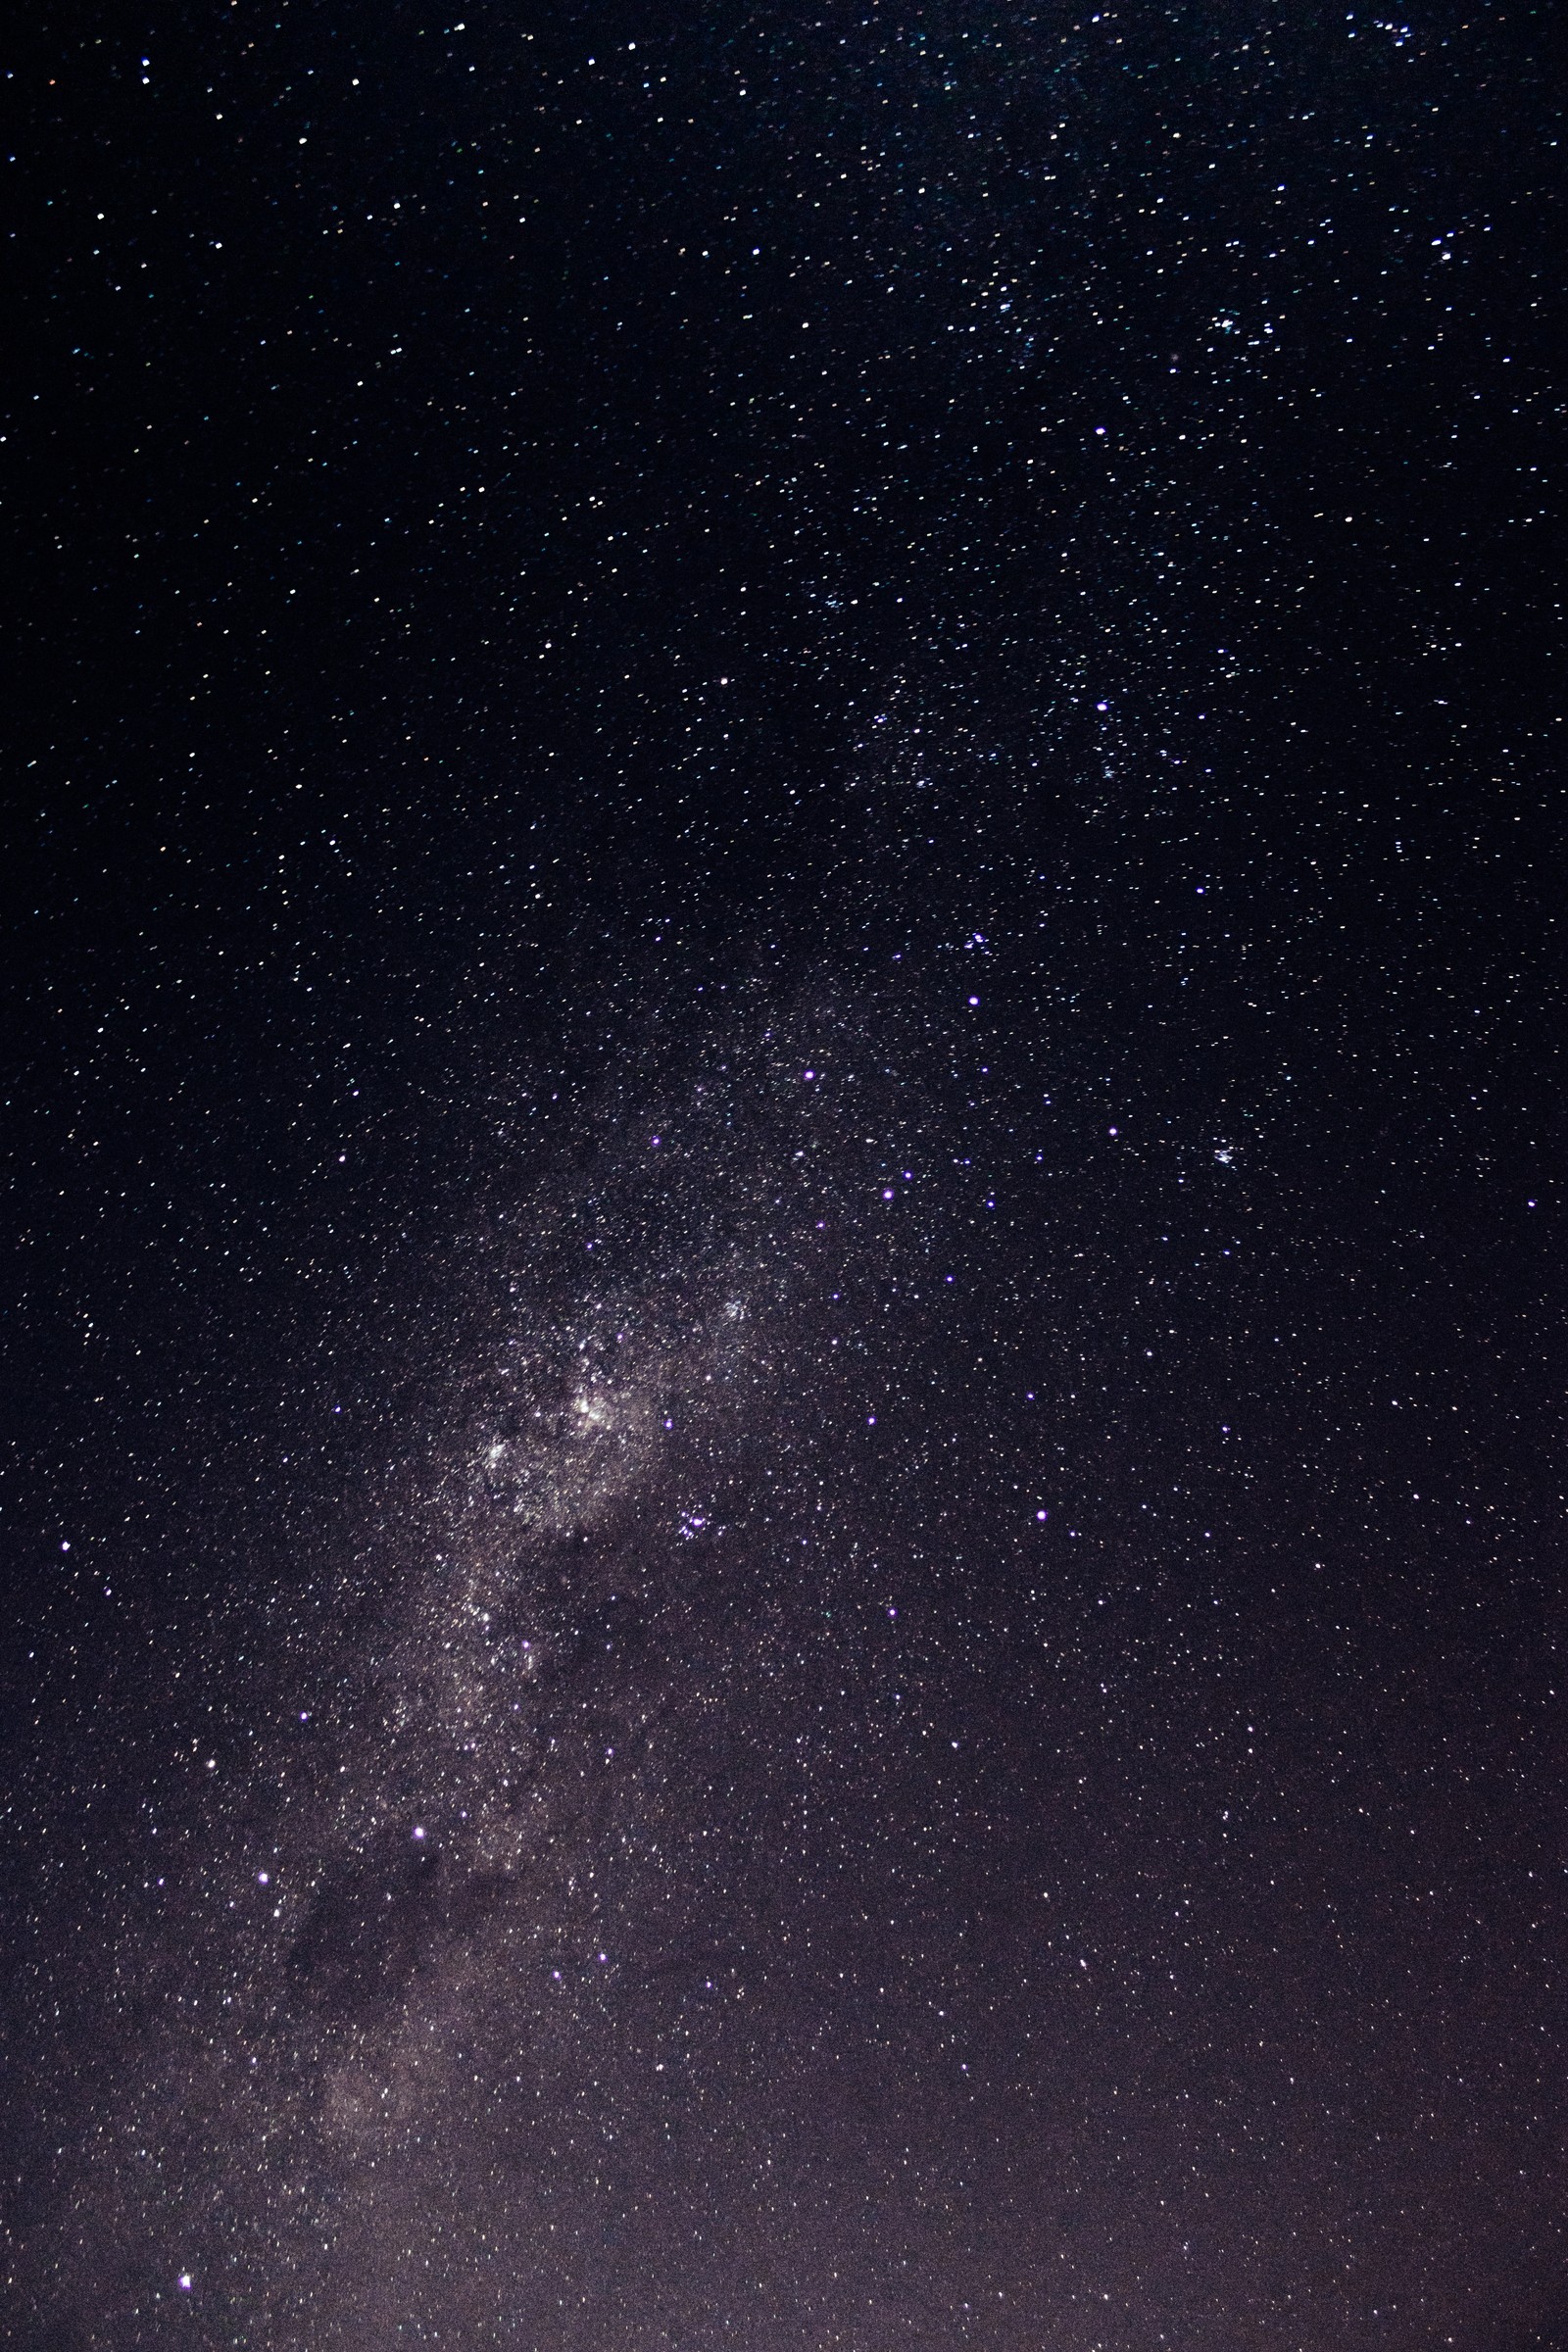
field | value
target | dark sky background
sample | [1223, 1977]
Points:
[782, 1326]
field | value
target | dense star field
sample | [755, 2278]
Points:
[782, 1344]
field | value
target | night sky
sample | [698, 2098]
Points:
[781, 1347]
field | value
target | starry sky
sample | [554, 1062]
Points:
[781, 1346]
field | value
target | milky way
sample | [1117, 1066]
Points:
[781, 1360]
